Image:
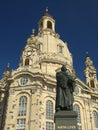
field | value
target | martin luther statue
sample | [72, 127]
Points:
[65, 89]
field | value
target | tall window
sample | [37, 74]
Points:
[95, 114]
[39, 46]
[60, 49]
[77, 109]
[49, 115]
[26, 62]
[22, 106]
[92, 83]
[21, 124]
[49, 24]
[49, 109]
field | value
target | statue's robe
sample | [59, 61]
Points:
[64, 94]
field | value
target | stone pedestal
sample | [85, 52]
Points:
[65, 120]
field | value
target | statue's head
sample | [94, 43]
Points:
[63, 68]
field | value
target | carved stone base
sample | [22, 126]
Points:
[65, 120]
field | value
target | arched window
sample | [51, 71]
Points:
[26, 62]
[92, 83]
[49, 109]
[95, 114]
[77, 109]
[22, 106]
[49, 24]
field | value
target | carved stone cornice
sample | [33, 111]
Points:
[54, 58]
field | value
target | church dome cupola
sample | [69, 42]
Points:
[46, 23]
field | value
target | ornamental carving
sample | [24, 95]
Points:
[54, 57]
[33, 90]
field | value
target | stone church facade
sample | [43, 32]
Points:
[28, 93]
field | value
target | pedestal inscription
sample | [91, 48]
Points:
[65, 120]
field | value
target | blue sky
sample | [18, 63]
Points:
[76, 22]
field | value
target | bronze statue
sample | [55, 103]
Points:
[65, 89]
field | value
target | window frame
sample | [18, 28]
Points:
[27, 62]
[49, 110]
[49, 24]
[95, 116]
[76, 108]
[22, 106]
